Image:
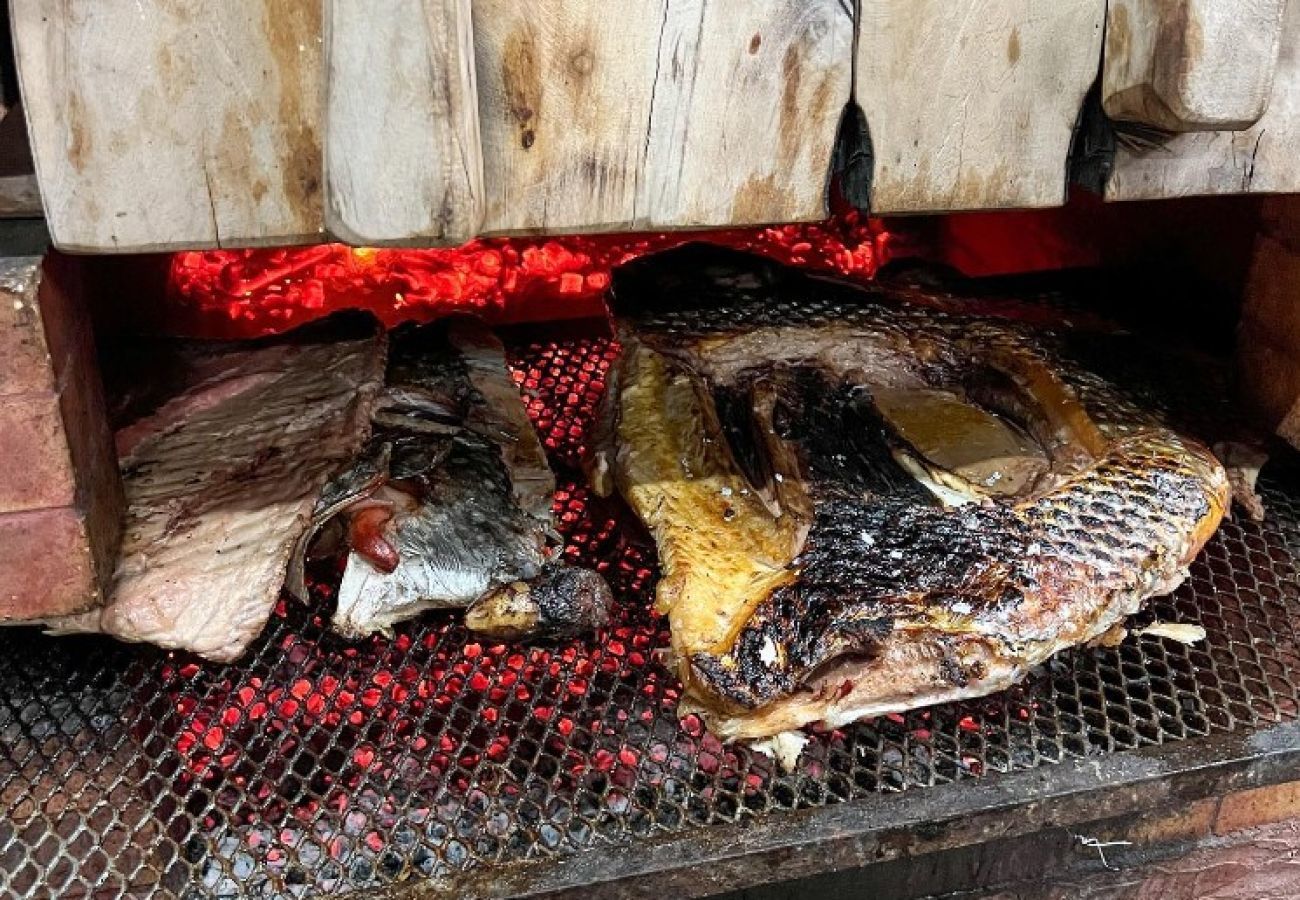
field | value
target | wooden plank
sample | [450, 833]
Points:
[564, 98]
[402, 159]
[747, 101]
[20, 197]
[1190, 65]
[669, 114]
[1259, 159]
[972, 105]
[159, 124]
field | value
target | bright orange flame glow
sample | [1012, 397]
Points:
[244, 293]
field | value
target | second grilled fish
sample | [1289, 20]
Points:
[864, 505]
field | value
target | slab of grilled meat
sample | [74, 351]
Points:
[865, 502]
[450, 504]
[222, 464]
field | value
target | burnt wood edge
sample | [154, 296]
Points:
[784, 846]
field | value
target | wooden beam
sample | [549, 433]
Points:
[564, 99]
[1259, 159]
[1190, 65]
[402, 158]
[747, 100]
[667, 114]
[972, 105]
[158, 125]
[20, 196]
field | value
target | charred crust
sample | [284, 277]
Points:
[880, 552]
[742, 685]
[951, 671]
[865, 568]
[571, 601]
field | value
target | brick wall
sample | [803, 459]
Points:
[60, 493]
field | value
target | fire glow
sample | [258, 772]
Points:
[247, 293]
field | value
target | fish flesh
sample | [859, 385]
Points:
[221, 479]
[869, 499]
[450, 504]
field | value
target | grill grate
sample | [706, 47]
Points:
[316, 766]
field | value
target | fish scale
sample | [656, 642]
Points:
[885, 600]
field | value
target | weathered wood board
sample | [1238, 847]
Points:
[668, 114]
[972, 105]
[161, 124]
[564, 100]
[20, 196]
[1190, 65]
[1260, 159]
[402, 160]
[747, 102]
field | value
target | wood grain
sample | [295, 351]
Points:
[669, 114]
[972, 105]
[160, 124]
[1259, 159]
[564, 100]
[402, 158]
[1190, 65]
[747, 101]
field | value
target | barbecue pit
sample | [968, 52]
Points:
[527, 154]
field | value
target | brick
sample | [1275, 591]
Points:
[43, 325]
[54, 439]
[90, 447]
[1258, 806]
[1273, 285]
[46, 566]
[38, 467]
[1268, 336]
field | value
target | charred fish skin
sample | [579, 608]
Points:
[562, 602]
[462, 530]
[1003, 577]
[451, 504]
[864, 592]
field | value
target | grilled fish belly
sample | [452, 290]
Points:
[830, 553]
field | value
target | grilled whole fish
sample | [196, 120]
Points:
[864, 505]
[450, 504]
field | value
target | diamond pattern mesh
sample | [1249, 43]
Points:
[320, 767]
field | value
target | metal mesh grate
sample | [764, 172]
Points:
[323, 767]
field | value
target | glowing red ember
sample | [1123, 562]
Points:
[244, 293]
